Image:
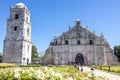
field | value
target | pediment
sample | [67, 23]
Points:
[78, 32]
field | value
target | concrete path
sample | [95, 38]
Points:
[102, 73]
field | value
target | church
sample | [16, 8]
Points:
[17, 42]
[78, 45]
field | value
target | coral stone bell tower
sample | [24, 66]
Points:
[17, 43]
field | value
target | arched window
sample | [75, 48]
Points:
[28, 31]
[16, 16]
[15, 28]
[27, 19]
[66, 42]
[78, 22]
[78, 42]
[91, 42]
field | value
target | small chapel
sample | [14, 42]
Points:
[78, 45]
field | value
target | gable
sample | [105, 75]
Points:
[78, 32]
[79, 35]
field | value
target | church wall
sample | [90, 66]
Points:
[94, 49]
[65, 54]
[93, 54]
[69, 53]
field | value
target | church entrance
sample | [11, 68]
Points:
[79, 59]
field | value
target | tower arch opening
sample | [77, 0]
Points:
[16, 16]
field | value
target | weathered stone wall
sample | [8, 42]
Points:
[17, 43]
[95, 49]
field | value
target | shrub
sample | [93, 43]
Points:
[30, 65]
[6, 65]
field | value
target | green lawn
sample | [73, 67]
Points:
[113, 69]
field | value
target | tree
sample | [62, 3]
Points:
[0, 57]
[117, 52]
[0, 54]
[34, 53]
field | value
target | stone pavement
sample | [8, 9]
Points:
[102, 73]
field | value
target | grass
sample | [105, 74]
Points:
[113, 69]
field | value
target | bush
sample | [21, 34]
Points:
[6, 65]
[50, 65]
[30, 65]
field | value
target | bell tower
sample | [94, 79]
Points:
[17, 43]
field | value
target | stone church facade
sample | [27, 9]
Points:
[79, 46]
[17, 42]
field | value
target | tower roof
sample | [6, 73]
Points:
[20, 5]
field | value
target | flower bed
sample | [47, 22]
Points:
[46, 73]
[32, 74]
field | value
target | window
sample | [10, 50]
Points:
[78, 22]
[23, 58]
[28, 31]
[15, 28]
[78, 35]
[91, 42]
[78, 42]
[28, 48]
[21, 47]
[16, 16]
[66, 42]
[27, 19]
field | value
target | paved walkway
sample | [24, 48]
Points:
[102, 73]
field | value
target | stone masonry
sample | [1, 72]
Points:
[17, 43]
[79, 46]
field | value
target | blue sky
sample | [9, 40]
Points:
[55, 16]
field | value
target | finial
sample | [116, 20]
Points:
[55, 36]
[94, 31]
[69, 27]
[87, 27]
[51, 40]
[101, 33]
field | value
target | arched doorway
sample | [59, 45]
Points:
[79, 59]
